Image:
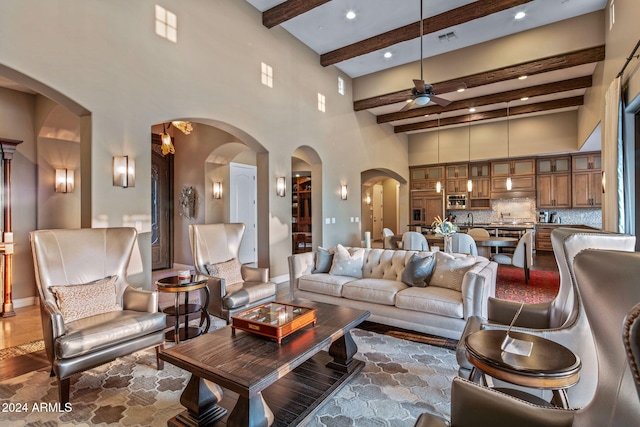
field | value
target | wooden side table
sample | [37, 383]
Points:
[550, 366]
[176, 286]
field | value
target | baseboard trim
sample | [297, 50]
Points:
[280, 279]
[25, 302]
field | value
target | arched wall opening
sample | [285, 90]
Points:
[305, 161]
[380, 189]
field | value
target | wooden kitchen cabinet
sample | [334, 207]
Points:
[457, 171]
[480, 195]
[426, 177]
[456, 186]
[554, 190]
[513, 167]
[543, 237]
[587, 180]
[560, 164]
[425, 206]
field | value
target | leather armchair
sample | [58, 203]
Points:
[608, 284]
[63, 258]
[216, 243]
[562, 319]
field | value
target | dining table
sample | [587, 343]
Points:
[483, 243]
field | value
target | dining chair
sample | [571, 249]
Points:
[90, 314]
[607, 281]
[463, 243]
[414, 241]
[479, 232]
[387, 239]
[522, 256]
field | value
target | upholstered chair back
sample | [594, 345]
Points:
[567, 243]
[608, 283]
[414, 241]
[631, 338]
[524, 251]
[463, 243]
[478, 232]
[74, 257]
[214, 243]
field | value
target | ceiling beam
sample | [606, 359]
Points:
[496, 98]
[457, 16]
[494, 114]
[288, 10]
[551, 63]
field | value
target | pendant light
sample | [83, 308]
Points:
[509, 183]
[469, 182]
[438, 184]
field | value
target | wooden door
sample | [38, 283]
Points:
[161, 207]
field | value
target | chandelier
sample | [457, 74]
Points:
[167, 145]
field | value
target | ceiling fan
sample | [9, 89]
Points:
[422, 93]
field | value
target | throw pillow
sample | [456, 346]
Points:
[418, 271]
[347, 262]
[79, 301]
[450, 270]
[230, 271]
[324, 259]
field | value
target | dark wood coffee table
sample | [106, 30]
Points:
[275, 383]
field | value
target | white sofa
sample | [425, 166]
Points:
[432, 309]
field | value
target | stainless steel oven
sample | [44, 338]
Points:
[457, 201]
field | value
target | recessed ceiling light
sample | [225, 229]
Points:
[522, 77]
[351, 14]
[461, 90]
[524, 98]
[388, 54]
[472, 110]
[520, 15]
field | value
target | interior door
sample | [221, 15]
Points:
[243, 208]
[161, 207]
[377, 204]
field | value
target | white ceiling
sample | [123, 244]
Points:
[326, 28]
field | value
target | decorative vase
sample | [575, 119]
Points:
[447, 243]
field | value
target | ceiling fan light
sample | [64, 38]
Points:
[422, 100]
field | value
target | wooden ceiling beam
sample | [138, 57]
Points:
[457, 16]
[494, 114]
[496, 98]
[288, 10]
[551, 63]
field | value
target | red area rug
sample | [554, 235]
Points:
[543, 285]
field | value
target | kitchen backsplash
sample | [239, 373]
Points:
[524, 210]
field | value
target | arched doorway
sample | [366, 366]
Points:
[306, 199]
[381, 201]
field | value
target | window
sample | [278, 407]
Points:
[341, 86]
[166, 24]
[321, 102]
[267, 75]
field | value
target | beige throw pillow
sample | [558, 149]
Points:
[449, 270]
[79, 301]
[230, 271]
[347, 262]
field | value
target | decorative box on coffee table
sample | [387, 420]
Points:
[274, 320]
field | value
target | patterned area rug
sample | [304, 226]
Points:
[401, 379]
[543, 285]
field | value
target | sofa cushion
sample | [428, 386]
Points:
[230, 271]
[347, 262]
[435, 300]
[324, 259]
[325, 284]
[79, 301]
[418, 270]
[379, 291]
[450, 269]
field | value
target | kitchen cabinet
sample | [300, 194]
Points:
[523, 178]
[457, 176]
[513, 167]
[425, 206]
[480, 195]
[543, 237]
[453, 186]
[587, 180]
[426, 177]
[554, 182]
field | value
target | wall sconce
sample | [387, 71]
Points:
[124, 172]
[343, 192]
[281, 186]
[64, 181]
[368, 199]
[217, 190]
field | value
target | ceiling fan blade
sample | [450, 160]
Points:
[440, 101]
[451, 87]
[419, 85]
[408, 105]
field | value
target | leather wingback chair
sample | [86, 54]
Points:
[218, 243]
[608, 284]
[522, 256]
[64, 258]
[414, 241]
[464, 244]
[562, 319]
